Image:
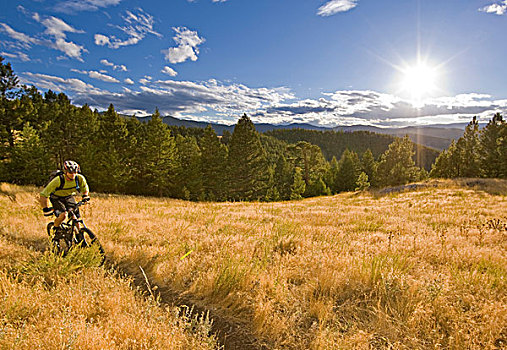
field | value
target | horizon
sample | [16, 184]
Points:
[460, 125]
[329, 63]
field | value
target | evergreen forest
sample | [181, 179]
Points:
[124, 155]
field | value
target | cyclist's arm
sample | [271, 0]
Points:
[43, 202]
[46, 192]
[85, 190]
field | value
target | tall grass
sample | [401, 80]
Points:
[410, 270]
[54, 302]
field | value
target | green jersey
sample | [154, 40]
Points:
[68, 189]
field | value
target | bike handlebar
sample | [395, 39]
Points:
[70, 210]
[78, 204]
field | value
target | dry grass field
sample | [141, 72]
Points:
[419, 269]
[49, 302]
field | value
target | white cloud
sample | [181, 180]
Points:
[120, 67]
[374, 108]
[497, 8]
[185, 36]
[335, 6]
[58, 84]
[184, 98]
[170, 71]
[23, 39]
[18, 55]
[138, 25]
[101, 40]
[55, 34]
[69, 48]
[215, 101]
[103, 77]
[146, 80]
[107, 63]
[56, 27]
[72, 6]
[187, 41]
[97, 75]
[180, 54]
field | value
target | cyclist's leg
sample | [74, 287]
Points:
[59, 219]
[59, 207]
[70, 202]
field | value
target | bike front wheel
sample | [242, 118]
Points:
[60, 243]
[87, 238]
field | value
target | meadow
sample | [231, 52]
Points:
[419, 269]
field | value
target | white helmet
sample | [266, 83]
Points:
[71, 167]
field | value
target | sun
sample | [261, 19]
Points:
[419, 81]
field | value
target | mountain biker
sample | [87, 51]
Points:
[62, 195]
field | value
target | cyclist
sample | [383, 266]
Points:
[61, 191]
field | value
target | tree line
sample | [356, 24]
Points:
[124, 155]
[334, 143]
[478, 153]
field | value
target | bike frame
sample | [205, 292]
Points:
[73, 221]
[72, 236]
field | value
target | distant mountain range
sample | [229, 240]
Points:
[438, 136]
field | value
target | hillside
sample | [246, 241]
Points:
[435, 136]
[333, 143]
[415, 269]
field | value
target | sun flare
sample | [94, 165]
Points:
[419, 81]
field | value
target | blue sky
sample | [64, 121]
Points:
[325, 62]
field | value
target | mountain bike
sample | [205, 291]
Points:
[69, 236]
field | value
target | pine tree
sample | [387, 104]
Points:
[453, 169]
[369, 166]
[396, 166]
[137, 133]
[13, 115]
[66, 127]
[213, 166]
[332, 175]
[492, 147]
[298, 184]
[468, 150]
[317, 188]
[108, 168]
[86, 121]
[159, 149]
[188, 173]
[440, 169]
[226, 137]
[362, 182]
[283, 177]
[9, 119]
[349, 167]
[314, 166]
[30, 163]
[502, 145]
[247, 166]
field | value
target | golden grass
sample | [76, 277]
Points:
[51, 302]
[413, 270]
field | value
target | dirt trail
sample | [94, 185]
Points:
[232, 334]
